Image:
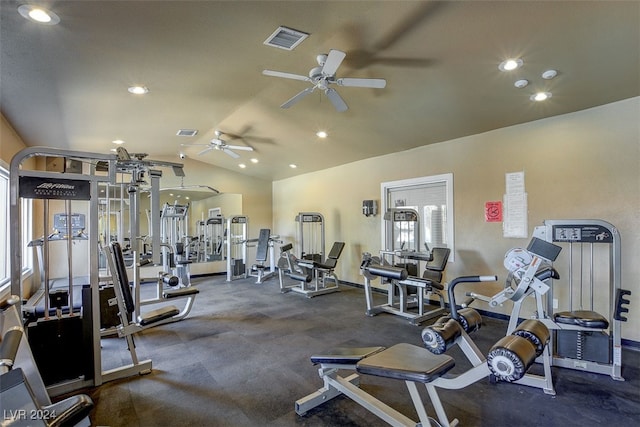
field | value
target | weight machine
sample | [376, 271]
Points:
[209, 240]
[581, 338]
[407, 296]
[72, 341]
[264, 250]
[314, 274]
[311, 236]
[508, 360]
[236, 238]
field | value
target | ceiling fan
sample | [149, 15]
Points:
[322, 76]
[218, 143]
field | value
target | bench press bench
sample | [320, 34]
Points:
[508, 360]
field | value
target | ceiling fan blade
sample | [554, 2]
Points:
[336, 100]
[373, 83]
[239, 147]
[231, 153]
[285, 75]
[192, 145]
[298, 97]
[206, 150]
[334, 59]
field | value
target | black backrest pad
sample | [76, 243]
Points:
[121, 272]
[263, 244]
[439, 260]
[336, 250]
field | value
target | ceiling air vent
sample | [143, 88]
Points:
[285, 38]
[187, 132]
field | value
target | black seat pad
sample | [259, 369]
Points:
[180, 292]
[345, 355]
[584, 318]
[157, 315]
[406, 362]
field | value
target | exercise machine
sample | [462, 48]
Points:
[310, 233]
[24, 398]
[66, 227]
[209, 240]
[312, 275]
[79, 180]
[130, 324]
[582, 338]
[400, 302]
[264, 251]
[67, 344]
[508, 360]
[236, 238]
[598, 276]
[409, 297]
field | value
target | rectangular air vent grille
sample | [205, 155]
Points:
[187, 132]
[285, 38]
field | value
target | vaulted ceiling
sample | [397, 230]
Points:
[65, 85]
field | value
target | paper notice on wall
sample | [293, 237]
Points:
[515, 206]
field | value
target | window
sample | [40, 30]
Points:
[5, 254]
[5, 226]
[432, 198]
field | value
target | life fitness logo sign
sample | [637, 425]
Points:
[59, 189]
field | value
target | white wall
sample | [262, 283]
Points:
[580, 165]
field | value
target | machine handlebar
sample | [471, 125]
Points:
[9, 348]
[464, 279]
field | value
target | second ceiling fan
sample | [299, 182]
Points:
[218, 143]
[324, 75]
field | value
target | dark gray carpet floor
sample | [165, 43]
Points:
[242, 359]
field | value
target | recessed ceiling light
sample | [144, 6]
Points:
[521, 83]
[510, 64]
[292, 166]
[549, 74]
[254, 160]
[242, 166]
[118, 141]
[138, 90]
[321, 134]
[540, 96]
[38, 14]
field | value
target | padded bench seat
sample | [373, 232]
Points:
[157, 315]
[583, 318]
[180, 292]
[344, 355]
[406, 362]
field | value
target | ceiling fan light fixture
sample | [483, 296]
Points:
[510, 64]
[38, 14]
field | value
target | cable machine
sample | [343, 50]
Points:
[66, 182]
[311, 235]
[236, 239]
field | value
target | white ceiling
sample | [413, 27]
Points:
[66, 85]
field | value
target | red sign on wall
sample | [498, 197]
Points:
[493, 211]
